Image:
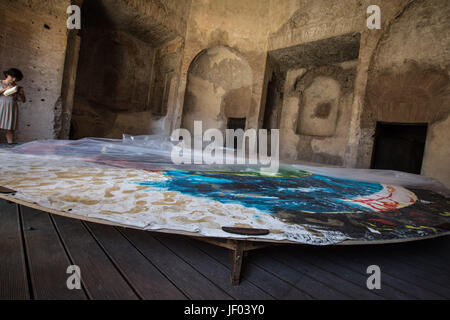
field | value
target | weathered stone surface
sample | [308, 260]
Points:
[219, 87]
[129, 63]
[33, 37]
[408, 81]
[318, 53]
[311, 68]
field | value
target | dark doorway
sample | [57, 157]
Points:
[270, 112]
[399, 147]
[235, 124]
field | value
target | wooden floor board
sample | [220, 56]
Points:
[321, 261]
[316, 289]
[267, 281]
[184, 276]
[408, 272]
[433, 252]
[47, 258]
[301, 264]
[13, 270]
[434, 282]
[145, 278]
[212, 269]
[430, 272]
[357, 263]
[100, 278]
[116, 263]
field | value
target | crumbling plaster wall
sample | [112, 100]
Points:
[33, 38]
[239, 25]
[411, 49]
[113, 79]
[311, 21]
[409, 82]
[156, 21]
[129, 67]
[219, 87]
[180, 31]
[316, 110]
[314, 120]
[255, 27]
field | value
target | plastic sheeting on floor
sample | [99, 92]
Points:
[133, 182]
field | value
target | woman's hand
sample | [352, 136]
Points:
[5, 89]
[8, 86]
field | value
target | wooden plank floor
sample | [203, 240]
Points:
[36, 249]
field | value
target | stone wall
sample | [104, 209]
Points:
[316, 113]
[318, 83]
[33, 37]
[401, 76]
[113, 79]
[311, 68]
[219, 88]
[128, 67]
[242, 27]
[338, 131]
[408, 82]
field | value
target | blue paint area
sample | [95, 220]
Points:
[308, 193]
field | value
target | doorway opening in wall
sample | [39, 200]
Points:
[270, 120]
[235, 124]
[399, 147]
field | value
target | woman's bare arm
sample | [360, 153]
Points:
[2, 89]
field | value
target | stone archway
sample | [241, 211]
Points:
[408, 83]
[219, 88]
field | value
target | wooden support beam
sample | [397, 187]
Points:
[237, 257]
[238, 251]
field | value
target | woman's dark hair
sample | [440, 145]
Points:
[15, 73]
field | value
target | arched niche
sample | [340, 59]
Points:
[320, 101]
[323, 96]
[116, 74]
[408, 83]
[219, 88]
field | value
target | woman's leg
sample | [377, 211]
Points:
[10, 136]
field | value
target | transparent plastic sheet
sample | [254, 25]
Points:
[138, 152]
[390, 177]
[134, 182]
[154, 152]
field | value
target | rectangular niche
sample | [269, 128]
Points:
[399, 147]
[325, 89]
[160, 96]
[318, 53]
[235, 124]
[319, 107]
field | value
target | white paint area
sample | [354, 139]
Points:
[111, 194]
[388, 198]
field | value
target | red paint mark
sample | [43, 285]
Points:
[380, 203]
[383, 221]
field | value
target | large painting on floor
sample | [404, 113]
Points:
[138, 187]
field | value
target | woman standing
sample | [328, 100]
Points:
[10, 93]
